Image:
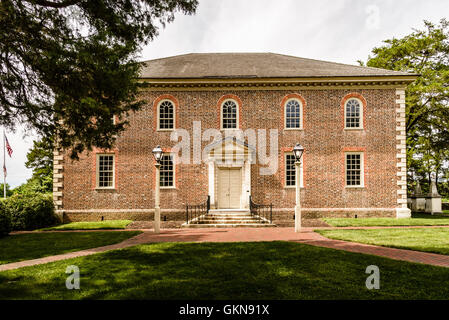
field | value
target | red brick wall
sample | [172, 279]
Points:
[323, 138]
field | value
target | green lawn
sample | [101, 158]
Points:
[37, 245]
[422, 239]
[92, 225]
[416, 220]
[258, 270]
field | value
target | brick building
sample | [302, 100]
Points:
[349, 119]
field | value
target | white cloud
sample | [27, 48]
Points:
[322, 29]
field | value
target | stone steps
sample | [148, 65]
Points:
[228, 225]
[234, 221]
[228, 218]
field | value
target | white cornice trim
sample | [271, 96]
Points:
[277, 83]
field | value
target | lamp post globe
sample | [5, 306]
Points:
[157, 153]
[298, 150]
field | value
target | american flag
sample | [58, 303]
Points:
[8, 148]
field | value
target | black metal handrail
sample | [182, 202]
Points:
[261, 210]
[197, 210]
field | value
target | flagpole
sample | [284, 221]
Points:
[4, 165]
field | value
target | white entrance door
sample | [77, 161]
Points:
[229, 188]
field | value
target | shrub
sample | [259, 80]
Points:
[5, 220]
[31, 211]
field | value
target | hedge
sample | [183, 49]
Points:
[5, 220]
[31, 211]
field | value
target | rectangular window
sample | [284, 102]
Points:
[167, 171]
[290, 171]
[105, 171]
[354, 169]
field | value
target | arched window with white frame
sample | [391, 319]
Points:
[229, 114]
[293, 114]
[166, 115]
[353, 114]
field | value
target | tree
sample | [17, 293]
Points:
[68, 66]
[425, 52]
[40, 159]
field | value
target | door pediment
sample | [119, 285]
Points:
[231, 148]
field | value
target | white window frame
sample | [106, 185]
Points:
[174, 172]
[97, 170]
[362, 170]
[360, 127]
[237, 115]
[300, 114]
[301, 171]
[159, 119]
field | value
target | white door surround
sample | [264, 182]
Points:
[226, 155]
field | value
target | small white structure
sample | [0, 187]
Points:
[433, 200]
[418, 199]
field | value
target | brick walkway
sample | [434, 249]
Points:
[307, 236]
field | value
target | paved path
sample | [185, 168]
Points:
[181, 229]
[307, 236]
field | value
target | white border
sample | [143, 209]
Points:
[97, 171]
[301, 171]
[362, 170]
[301, 116]
[361, 114]
[174, 172]
[237, 115]
[174, 115]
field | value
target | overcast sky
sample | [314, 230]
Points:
[334, 30]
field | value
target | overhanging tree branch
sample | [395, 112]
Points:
[54, 4]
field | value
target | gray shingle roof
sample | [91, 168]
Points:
[253, 65]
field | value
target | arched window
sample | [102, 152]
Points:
[353, 114]
[166, 115]
[229, 115]
[293, 114]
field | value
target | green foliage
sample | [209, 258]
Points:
[40, 159]
[5, 220]
[66, 67]
[31, 211]
[35, 185]
[9, 192]
[425, 52]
